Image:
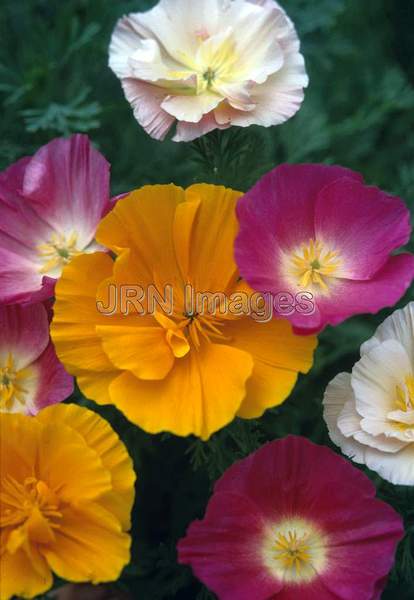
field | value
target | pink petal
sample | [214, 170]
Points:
[24, 332]
[54, 383]
[278, 214]
[224, 550]
[11, 180]
[363, 223]
[146, 100]
[187, 132]
[368, 296]
[67, 182]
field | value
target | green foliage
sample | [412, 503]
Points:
[358, 112]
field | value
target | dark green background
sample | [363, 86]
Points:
[358, 112]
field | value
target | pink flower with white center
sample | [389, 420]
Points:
[31, 376]
[209, 64]
[50, 206]
[293, 521]
[319, 233]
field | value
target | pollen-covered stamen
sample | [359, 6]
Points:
[292, 550]
[12, 384]
[31, 506]
[198, 327]
[57, 252]
[295, 550]
[314, 264]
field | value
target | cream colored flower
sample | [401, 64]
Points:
[370, 412]
[209, 64]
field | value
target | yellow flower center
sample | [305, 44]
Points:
[292, 551]
[188, 330]
[295, 551]
[314, 264]
[31, 507]
[405, 395]
[12, 384]
[57, 252]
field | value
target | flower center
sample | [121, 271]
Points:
[31, 508]
[209, 76]
[405, 395]
[292, 551]
[198, 327]
[314, 264]
[298, 551]
[12, 385]
[188, 329]
[57, 252]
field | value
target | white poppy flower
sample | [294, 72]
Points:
[370, 412]
[208, 64]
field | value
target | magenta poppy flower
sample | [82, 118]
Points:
[31, 376]
[321, 240]
[293, 520]
[50, 206]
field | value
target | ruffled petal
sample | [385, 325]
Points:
[199, 396]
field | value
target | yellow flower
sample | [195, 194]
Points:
[66, 493]
[185, 372]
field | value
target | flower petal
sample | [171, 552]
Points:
[199, 396]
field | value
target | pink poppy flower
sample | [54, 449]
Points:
[293, 520]
[31, 376]
[50, 206]
[209, 64]
[324, 241]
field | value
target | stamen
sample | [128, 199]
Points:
[57, 251]
[314, 265]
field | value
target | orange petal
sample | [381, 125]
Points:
[89, 546]
[21, 576]
[100, 437]
[278, 356]
[212, 267]
[201, 394]
[76, 314]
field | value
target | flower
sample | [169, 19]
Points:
[50, 205]
[172, 369]
[208, 64]
[66, 493]
[370, 412]
[293, 520]
[31, 376]
[319, 235]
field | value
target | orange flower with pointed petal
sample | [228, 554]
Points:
[185, 372]
[66, 494]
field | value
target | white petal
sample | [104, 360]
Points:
[278, 99]
[146, 101]
[190, 108]
[375, 378]
[124, 42]
[399, 326]
[256, 33]
[179, 24]
[337, 394]
[397, 468]
[147, 62]
[187, 132]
